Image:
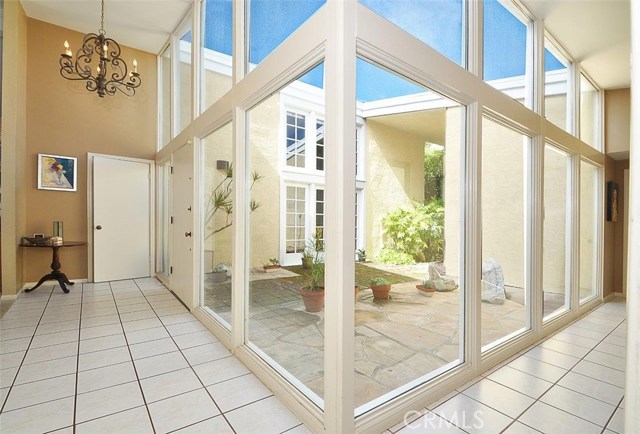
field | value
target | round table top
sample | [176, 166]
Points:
[64, 244]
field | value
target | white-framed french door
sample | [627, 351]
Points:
[302, 220]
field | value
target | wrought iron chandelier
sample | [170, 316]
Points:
[111, 72]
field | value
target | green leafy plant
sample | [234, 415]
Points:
[221, 201]
[390, 256]
[362, 255]
[316, 277]
[427, 283]
[379, 281]
[433, 172]
[271, 262]
[219, 269]
[418, 232]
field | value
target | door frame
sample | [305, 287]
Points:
[152, 205]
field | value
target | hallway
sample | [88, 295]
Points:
[127, 357]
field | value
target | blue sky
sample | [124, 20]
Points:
[436, 22]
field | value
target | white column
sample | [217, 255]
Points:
[340, 141]
[632, 392]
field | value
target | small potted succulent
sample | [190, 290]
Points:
[313, 293]
[362, 255]
[219, 273]
[380, 288]
[426, 288]
[272, 265]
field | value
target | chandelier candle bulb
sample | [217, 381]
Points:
[135, 66]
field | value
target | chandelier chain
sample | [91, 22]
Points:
[102, 32]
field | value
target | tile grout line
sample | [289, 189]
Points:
[186, 360]
[564, 375]
[135, 370]
[26, 351]
[75, 396]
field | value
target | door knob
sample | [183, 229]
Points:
[187, 234]
[98, 227]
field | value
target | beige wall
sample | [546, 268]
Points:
[617, 118]
[395, 176]
[64, 119]
[14, 144]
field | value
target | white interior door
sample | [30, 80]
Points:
[121, 218]
[182, 268]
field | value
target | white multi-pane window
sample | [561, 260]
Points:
[320, 144]
[296, 219]
[296, 138]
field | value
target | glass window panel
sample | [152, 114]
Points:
[505, 50]
[437, 23]
[288, 334]
[555, 282]
[216, 62]
[217, 218]
[184, 81]
[504, 293]
[272, 21]
[165, 97]
[556, 84]
[164, 218]
[589, 109]
[409, 234]
[589, 243]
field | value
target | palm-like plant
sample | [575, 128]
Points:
[221, 200]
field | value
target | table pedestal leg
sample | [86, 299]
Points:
[55, 274]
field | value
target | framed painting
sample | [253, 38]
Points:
[56, 172]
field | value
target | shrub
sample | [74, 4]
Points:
[417, 232]
[390, 256]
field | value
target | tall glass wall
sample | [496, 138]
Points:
[556, 85]
[183, 79]
[589, 191]
[409, 332]
[588, 111]
[504, 290]
[411, 16]
[165, 96]
[286, 320]
[272, 21]
[557, 215]
[217, 172]
[505, 50]
[216, 54]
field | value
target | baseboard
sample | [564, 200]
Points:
[609, 297]
[14, 297]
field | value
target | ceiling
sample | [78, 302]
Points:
[595, 32]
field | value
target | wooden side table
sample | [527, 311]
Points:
[55, 274]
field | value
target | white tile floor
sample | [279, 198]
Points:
[573, 382]
[126, 357]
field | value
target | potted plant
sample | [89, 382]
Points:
[362, 255]
[426, 288]
[272, 265]
[380, 288]
[313, 293]
[219, 274]
[307, 258]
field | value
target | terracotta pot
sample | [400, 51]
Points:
[426, 290]
[356, 292]
[381, 292]
[270, 268]
[219, 276]
[313, 300]
[307, 263]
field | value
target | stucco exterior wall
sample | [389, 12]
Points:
[556, 171]
[395, 168]
[264, 142]
[452, 176]
[588, 176]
